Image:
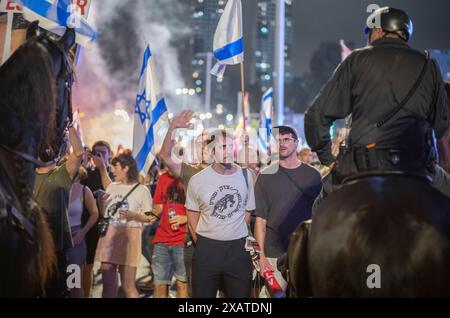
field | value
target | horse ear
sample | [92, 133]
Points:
[68, 39]
[33, 29]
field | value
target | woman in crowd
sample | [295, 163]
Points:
[81, 198]
[119, 250]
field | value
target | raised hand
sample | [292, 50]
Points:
[183, 120]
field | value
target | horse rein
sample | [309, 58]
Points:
[66, 73]
[38, 163]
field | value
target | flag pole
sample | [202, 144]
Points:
[243, 94]
[8, 35]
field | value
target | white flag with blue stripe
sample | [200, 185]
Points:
[228, 40]
[56, 15]
[265, 123]
[151, 119]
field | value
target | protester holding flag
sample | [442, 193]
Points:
[120, 247]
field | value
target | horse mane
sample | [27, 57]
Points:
[27, 120]
[27, 96]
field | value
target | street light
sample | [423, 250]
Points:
[185, 92]
[208, 79]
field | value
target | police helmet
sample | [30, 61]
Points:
[391, 21]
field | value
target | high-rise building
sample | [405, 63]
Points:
[205, 17]
[264, 53]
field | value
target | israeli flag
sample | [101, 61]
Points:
[265, 122]
[228, 40]
[151, 119]
[56, 15]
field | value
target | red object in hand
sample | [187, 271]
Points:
[275, 287]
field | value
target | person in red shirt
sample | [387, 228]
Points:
[168, 253]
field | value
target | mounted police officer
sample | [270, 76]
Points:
[397, 101]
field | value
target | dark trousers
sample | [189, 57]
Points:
[215, 262]
[189, 249]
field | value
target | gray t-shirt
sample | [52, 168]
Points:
[221, 201]
[282, 205]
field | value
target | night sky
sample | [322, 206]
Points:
[316, 21]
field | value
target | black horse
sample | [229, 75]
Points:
[380, 235]
[35, 109]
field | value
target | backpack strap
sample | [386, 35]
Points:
[245, 173]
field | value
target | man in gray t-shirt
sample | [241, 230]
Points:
[284, 193]
[218, 202]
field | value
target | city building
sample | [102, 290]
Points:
[264, 63]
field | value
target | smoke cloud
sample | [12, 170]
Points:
[107, 72]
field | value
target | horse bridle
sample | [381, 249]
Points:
[66, 72]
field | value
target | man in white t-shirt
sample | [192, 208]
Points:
[218, 202]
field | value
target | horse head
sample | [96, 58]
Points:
[61, 66]
[35, 109]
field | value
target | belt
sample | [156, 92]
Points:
[372, 158]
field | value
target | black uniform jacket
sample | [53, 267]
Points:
[369, 84]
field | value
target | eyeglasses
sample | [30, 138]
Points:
[286, 141]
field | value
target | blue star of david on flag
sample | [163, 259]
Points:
[140, 100]
[150, 116]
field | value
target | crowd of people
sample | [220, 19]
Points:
[190, 221]
[199, 220]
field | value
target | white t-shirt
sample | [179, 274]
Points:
[221, 201]
[139, 201]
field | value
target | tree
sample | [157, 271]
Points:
[304, 89]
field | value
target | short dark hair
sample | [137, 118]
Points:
[126, 159]
[209, 137]
[102, 143]
[284, 130]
